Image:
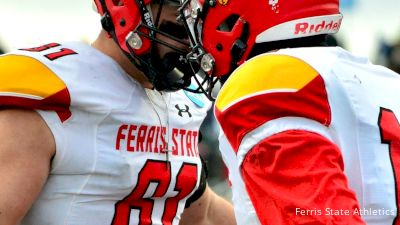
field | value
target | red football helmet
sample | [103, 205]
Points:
[136, 29]
[224, 31]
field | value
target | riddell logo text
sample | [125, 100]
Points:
[309, 28]
[147, 18]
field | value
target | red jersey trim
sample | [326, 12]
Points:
[59, 102]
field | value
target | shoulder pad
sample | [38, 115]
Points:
[26, 82]
[266, 73]
[268, 87]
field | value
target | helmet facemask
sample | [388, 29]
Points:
[202, 63]
[231, 45]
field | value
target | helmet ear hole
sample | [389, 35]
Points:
[228, 24]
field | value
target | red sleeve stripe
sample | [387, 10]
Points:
[58, 102]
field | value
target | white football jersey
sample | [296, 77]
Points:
[328, 91]
[124, 154]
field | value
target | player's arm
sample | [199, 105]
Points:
[297, 177]
[26, 149]
[209, 209]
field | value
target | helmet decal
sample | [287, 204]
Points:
[274, 5]
[223, 2]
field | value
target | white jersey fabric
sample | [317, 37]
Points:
[363, 102]
[124, 154]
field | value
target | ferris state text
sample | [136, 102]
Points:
[344, 212]
[152, 139]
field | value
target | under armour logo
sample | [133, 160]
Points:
[183, 110]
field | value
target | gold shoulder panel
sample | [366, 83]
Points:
[265, 73]
[26, 76]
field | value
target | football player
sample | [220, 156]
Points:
[105, 134]
[310, 133]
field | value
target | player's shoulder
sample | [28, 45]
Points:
[50, 66]
[267, 73]
[269, 87]
[26, 82]
[57, 76]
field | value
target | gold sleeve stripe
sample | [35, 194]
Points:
[263, 74]
[26, 76]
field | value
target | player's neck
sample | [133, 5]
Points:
[107, 46]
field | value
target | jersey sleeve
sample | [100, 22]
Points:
[274, 111]
[27, 83]
[296, 177]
